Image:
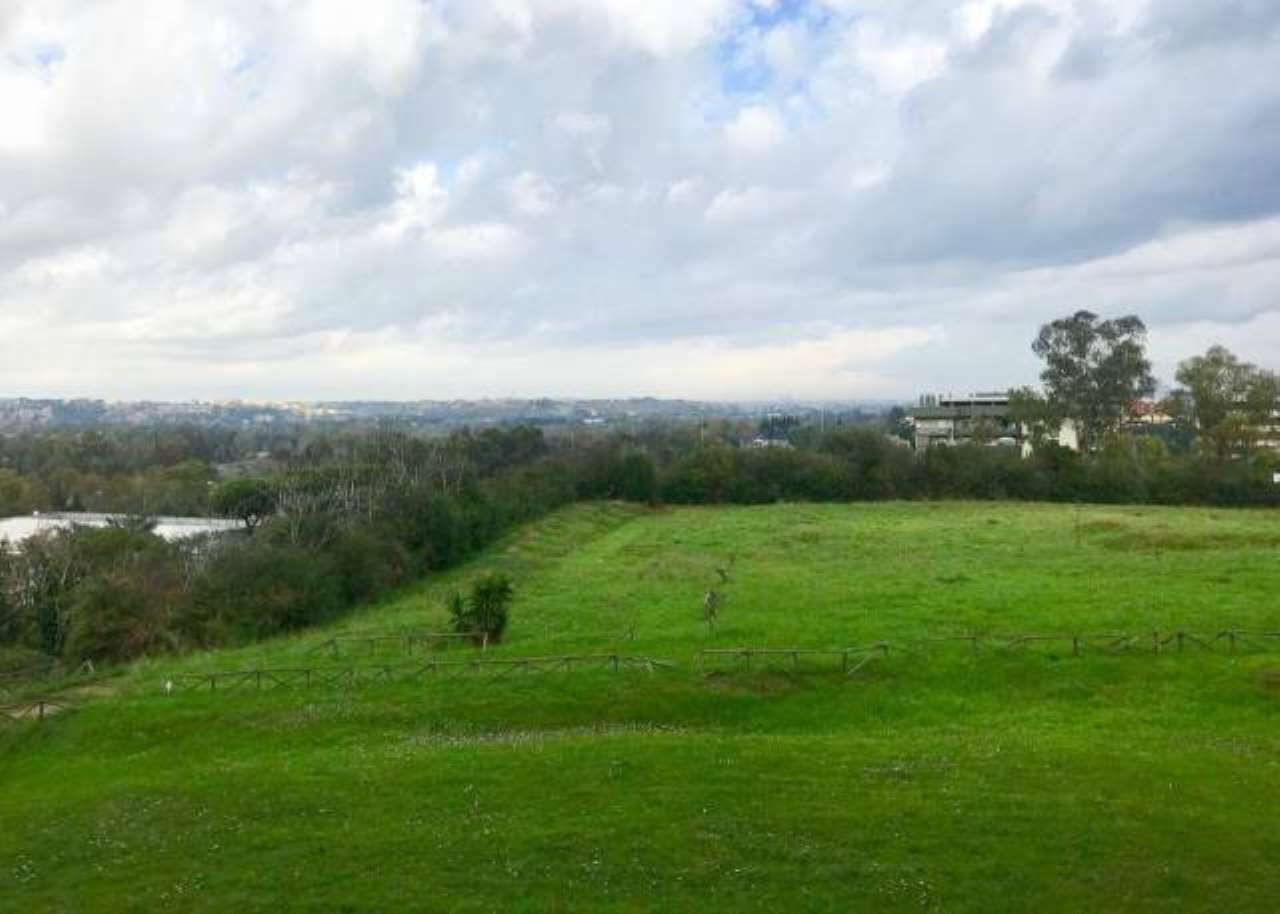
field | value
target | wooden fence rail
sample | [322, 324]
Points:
[1156, 642]
[30, 672]
[408, 642]
[307, 677]
[852, 659]
[37, 709]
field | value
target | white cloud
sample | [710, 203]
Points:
[531, 194]
[658, 26]
[680, 191]
[896, 63]
[755, 128]
[420, 200]
[741, 204]
[579, 124]
[485, 241]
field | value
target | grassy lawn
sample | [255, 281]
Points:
[950, 779]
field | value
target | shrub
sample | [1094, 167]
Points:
[257, 590]
[118, 618]
[485, 610]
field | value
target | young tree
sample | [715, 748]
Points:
[485, 610]
[1093, 370]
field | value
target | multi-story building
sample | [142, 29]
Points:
[979, 418]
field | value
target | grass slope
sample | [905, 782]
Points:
[950, 781]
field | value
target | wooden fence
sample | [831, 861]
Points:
[1230, 640]
[853, 659]
[30, 672]
[412, 642]
[36, 709]
[406, 642]
[15, 680]
[350, 676]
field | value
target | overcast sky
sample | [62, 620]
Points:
[703, 198]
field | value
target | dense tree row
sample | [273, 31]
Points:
[353, 522]
[365, 516]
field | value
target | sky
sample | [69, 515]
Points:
[715, 199]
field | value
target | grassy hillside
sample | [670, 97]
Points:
[949, 779]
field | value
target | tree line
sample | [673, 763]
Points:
[1096, 370]
[327, 530]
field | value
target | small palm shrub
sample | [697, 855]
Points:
[484, 611]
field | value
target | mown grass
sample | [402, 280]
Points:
[950, 780]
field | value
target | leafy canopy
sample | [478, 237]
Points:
[1230, 403]
[1093, 370]
[484, 611]
[250, 500]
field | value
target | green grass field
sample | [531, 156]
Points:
[950, 779]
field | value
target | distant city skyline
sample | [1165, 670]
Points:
[719, 200]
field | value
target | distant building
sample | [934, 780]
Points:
[770, 442]
[1147, 412]
[979, 418]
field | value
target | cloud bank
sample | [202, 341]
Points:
[704, 198]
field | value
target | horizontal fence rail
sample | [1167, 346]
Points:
[308, 677]
[48, 678]
[853, 659]
[36, 709]
[1230, 640]
[848, 660]
[30, 672]
[408, 642]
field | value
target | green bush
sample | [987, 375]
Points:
[255, 590]
[485, 610]
[117, 618]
